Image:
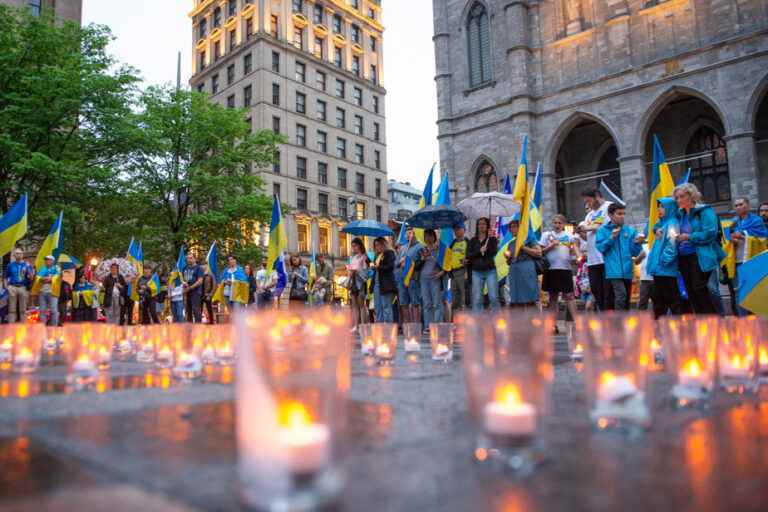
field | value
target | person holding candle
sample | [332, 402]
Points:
[522, 280]
[431, 279]
[480, 255]
[384, 286]
[18, 280]
[619, 243]
[698, 246]
[744, 226]
[662, 261]
[560, 247]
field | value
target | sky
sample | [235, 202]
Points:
[150, 33]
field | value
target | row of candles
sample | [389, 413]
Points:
[379, 340]
[90, 348]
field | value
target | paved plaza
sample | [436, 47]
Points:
[144, 442]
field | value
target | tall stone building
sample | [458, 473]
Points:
[65, 9]
[311, 70]
[591, 81]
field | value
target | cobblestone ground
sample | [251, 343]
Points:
[145, 443]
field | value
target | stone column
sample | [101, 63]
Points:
[634, 188]
[742, 166]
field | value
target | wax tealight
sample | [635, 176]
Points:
[412, 345]
[383, 351]
[508, 415]
[305, 445]
[208, 355]
[84, 366]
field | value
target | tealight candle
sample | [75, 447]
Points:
[367, 347]
[164, 357]
[50, 343]
[735, 368]
[442, 352]
[208, 355]
[225, 353]
[692, 375]
[125, 347]
[615, 388]
[383, 351]
[6, 351]
[578, 352]
[508, 415]
[188, 366]
[84, 365]
[305, 446]
[105, 358]
[146, 353]
[24, 361]
[763, 360]
[412, 345]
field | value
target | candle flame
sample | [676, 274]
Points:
[579, 348]
[606, 378]
[6, 344]
[501, 324]
[25, 352]
[655, 345]
[763, 357]
[83, 358]
[508, 394]
[293, 415]
[736, 361]
[692, 367]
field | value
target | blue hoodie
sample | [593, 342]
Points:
[618, 252]
[751, 225]
[662, 260]
[705, 227]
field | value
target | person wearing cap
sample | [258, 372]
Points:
[48, 303]
[18, 280]
[458, 270]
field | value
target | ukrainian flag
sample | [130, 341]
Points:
[662, 185]
[401, 238]
[729, 248]
[154, 285]
[522, 194]
[68, 262]
[278, 240]
[444, 253]
[507, 185]
[686, 177]
[212, 260]
[408, 268]
[85, 295]
[135, 257]
[537, 217]
[753, 284]
[239, 287]
[51, 244]
[177, 277]
[13, 225]
[502, 267]
[312, 274]
[426, 200]
[55, 284]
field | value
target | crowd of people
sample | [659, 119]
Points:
[680, 272]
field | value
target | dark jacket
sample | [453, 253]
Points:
[476, 260]
[109, 285]
[386, 273]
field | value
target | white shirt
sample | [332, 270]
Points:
[177, 293]
[644, 275]
[559, 256]
[599, 216]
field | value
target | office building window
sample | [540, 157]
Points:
[303, 229]
[318, 14]
[217, 17]
[360, 153]
[337, 57]
[202, 28]
[376, 132]
[320, 80]
[231, 101]
[360, 183]
[249, 26]
[320, 48]
[301, 135]
[344, 214]
[357, 96]
[301, 72]
[231, 8]
[274, 24]
[276, 190]
[338, 24]
[377, 187]
[376, 104]
[247, 63]
[230, 74]
[341, 148]
[378, 213]
[322, 110]
[343, 245]
[276, 124]
[215, 83]
[374, 74]
[298, 5]
[356, 65]
[341, 178]
[202, 61]
[322, 173]
[276, 62]
[377, 159]
[301, 204]
[322, 207]
[355, 32]
[216, 50]
[232, 39]
[301, 167]
[374, 44]
[301, 103]
[322, 141]
[359, 125]
[298, 38]
[341, 118]
[247, 95]
[276, 163]
[360, 210]
[276, 94]
[340, 88]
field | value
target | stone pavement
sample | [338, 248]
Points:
[145, 444]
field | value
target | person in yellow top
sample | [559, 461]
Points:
[458, 269]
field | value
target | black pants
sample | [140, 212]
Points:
[208, 305]
[666, 296]
[622, 292]
[126, 312]
[696, 285]
[646, 294]
[600, 288]
[193, 307]
[148, 312]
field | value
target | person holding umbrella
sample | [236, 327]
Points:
[480, 255]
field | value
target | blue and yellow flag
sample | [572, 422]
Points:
[312, 270]
[502, 267]
[239, 287]
[278, 240]
[522, 194]
[176, 276]
[427, 197]
[729, 262]
[401, 237]
[154, 285]
[51, 244]
[67, 262]
[212, 260]
[408, 268]
[537, 217]
[444, 253]
[135, 257]
[507, 185]
[662, 185]
[13, 225]
[686, 177]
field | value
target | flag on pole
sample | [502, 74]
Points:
[408, 268]
[212, 260]
[176, 277]
[609, 195]
[537, 217]
[662, 185]
[502, 267]
[135, 257]
[278, 244]
[426, 200]
[507, 185]
[445, 237]
[13, 225]
[240, 288]
[51, 244]
[401, 237]
[154, 285]
[522, 194]
[686, 177]
[312, 274]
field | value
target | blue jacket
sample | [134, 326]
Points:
[705, 227]
[752, 225]
[662, 260]
[618, 252]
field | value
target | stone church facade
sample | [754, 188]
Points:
[590, 82]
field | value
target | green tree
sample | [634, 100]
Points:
[193, 177]
[65, 121]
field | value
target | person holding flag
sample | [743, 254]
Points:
[278, 243]
[18, 280]
[522, 279]
[84, 301]
[147, 309]
[407, 275]
[233, 285]
[747, 231]
[193, 289]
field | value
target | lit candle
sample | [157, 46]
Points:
[105, 358]
[508, 415]
[225, 352]
[763, 359]
[442, 352]
[735, 368]
[6, 351]
[305, 445]
[412, 345]
[125, 347]
[188, 366]
[367, 347]
[145, 353]
[84, 365]
[50, 343]
[24, 357]
[578, 352]
[618, 397]
[208, 355]
[383, 351]
[614, 388]
[692, 375]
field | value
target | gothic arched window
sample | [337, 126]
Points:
[478, 45]
[709, 170]
[486, 179]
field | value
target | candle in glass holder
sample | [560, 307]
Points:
[618, 399]
[692, 375]
[442, 352]
[225, 353]
[6, 350]
[734, 368]
[383, 352]
[658, 353]
[578, 353]
[305, 446]
[146, 353]
[164, 357]
[50, 343]
[125, 347]
[24, 361]
[104, 358]
[84, 366]
[412, 345]
[614, 388]
[208, 355]
[188, 366]
[763, 360]
[508, 415]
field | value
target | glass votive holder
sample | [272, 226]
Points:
[224, 346]
[690, 358]
[52, 339]
[441, 341]
[203, 339]
[82, 360]
[385, 340]
[7, 339]
[507, 363]
[165, 341]
[412, 335]
[187, 362]
[737, 355]
[616, 363]
[125, 341]
[367, 345]
[762, 351]
[27, 342]
[146, 344]
[291, 408]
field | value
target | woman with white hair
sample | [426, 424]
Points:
[698, 248]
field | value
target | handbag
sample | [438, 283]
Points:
[542, 265]
[297, 293]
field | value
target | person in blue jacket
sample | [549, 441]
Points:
[619, 244]
[662, 261]
[699, 250]
[744, 224]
